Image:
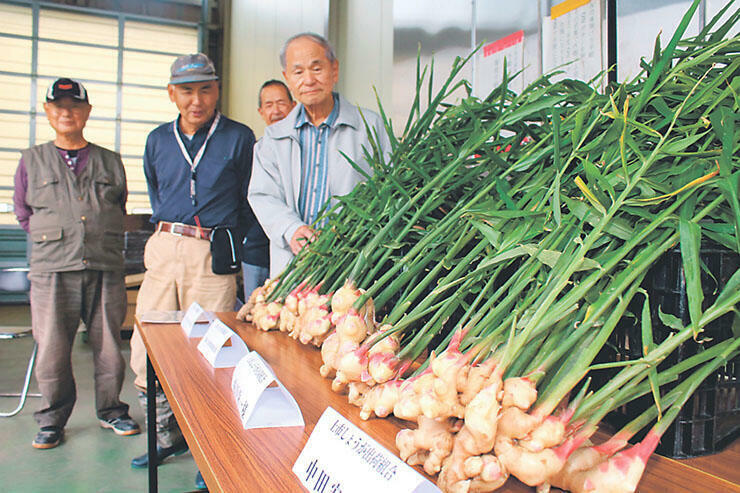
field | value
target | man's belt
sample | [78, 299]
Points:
[181, 229]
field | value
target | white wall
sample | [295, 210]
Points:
[640, 22]
[255, 33]
[362, 35]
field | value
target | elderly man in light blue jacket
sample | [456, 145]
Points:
[298, 164]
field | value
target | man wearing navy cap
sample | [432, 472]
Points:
[197, 169]
[70, 196]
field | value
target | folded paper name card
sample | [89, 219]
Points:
[221, 347]
[340, 457]
[196, 320]
[261, 404]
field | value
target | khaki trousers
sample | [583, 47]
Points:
[58, 301]
[178, 272]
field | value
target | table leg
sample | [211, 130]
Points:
[151, 417]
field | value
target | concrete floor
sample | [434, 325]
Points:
[90, 459]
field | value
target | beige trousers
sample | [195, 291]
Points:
[178, 272]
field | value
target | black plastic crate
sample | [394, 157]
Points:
[133, 253]
[710, 420]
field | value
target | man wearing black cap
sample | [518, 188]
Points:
[70, 196]
[197, 169]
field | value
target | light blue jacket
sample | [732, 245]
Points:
[276, 172]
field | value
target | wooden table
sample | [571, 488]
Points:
[233, 459]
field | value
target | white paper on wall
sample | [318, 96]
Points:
[491, 63]
[572, 35]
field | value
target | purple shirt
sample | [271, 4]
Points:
[22, 210]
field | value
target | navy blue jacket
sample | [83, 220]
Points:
[221, 182]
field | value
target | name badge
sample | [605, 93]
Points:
[213, 346]
[195, 321]
[261, 405]
[340, 457]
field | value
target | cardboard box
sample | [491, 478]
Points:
[131, 294]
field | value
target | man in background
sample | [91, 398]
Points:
[298, 163]
[197, 169]
[274, 102]
[70, 196]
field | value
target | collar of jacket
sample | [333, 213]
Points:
[348, 115]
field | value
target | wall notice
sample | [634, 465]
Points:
[491, 63]
[572, 35]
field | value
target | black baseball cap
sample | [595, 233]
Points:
[66, 88]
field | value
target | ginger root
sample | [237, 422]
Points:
[382, 362]
[429, 444]
[256, 297]
[619, 474]
[380, 399]
[531, 468]
[352, 367]
[333, 350]
[487, 473]
[519, 392]
[477, 378]
[408, 406]
[464, 468]
[266, 316]
[315, 324]
[343, 299]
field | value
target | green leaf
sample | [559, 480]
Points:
[551, 257]
[723, 228]
[356, 166]
[690, 234]
[616, 226]
[647, 326]
[590, 195]
[669, 320]
[503, 189]
[513, 214]
[575, 135]
[503, 256]
[648, 344]
[679, 145]
[723, 124]
[528, 110]
[360, 212]
[493, 236]
[642, 127]
[730, 290]
[660, 105]
[556, 214]
[595, 176]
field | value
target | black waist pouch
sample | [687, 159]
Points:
[224, 251]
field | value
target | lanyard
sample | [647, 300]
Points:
[198, 156]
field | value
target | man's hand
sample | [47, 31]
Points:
[302, 236]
